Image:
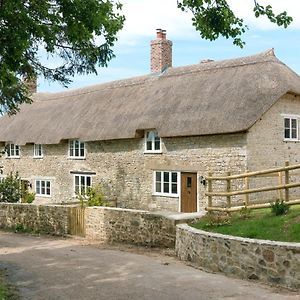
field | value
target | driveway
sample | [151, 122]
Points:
[57, 268]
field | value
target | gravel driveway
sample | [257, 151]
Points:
[57, 268]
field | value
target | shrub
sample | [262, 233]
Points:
[10, 190]
[279, 208]
[245, 212]
[28, 197]
[92, 197]
[218, 219]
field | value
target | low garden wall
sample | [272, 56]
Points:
[50, 219]
[129, 226]
[266, 261]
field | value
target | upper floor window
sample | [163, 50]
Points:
[76, 149]
[12, 150]
[166, 183]
[291, 128]
[37, 150]
[152, 142]
[43, 188]
[81, 183]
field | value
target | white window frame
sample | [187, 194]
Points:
[291, 117]
[39, 193]
[38, 151]
[162, 193]
[85, 181]
[152, 140]
[72, 144]
[12, 148]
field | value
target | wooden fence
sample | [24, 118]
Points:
[281, 173]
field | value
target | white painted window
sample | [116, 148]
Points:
[291, 128]
[43, 187]
[38, 151]
[81, 183]
[166, 183]
[76, 149]
[152, 142]
[12, 150]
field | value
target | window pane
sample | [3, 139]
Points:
[166, 188]
[294, 133]
[37, 187]
[43, 187]
[174, 177]
[17, 150]
[88, 181]
[174, 188]
[189, 182]
[48, 189]
[76, 152]
[158, 176]
[76, 184]
[81, 149]
[166, 177]
[157, 145]
[287, 133]
[294, 123]
[158, 187]
[149, 145]
[286, 122]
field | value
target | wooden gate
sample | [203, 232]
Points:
[76, 221]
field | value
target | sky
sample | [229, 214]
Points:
[132, 49]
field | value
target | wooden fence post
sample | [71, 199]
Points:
[280, 194]
[246, 181]
[228, 189]
[287, 180]
[209, 189]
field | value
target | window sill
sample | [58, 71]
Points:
[43, 196]
[153, 152]
[38, 157]
[13, 157]
[76, 158]
[166, 195]
[291, 140]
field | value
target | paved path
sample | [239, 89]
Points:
[55, 268]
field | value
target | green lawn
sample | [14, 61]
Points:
[7, 291]
[261, 224]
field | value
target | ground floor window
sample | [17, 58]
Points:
[81, 183]
[43, 187]
[166, 183]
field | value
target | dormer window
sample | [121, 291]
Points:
[152, 142]
[38, 151]
[76, 149]
[12, 150]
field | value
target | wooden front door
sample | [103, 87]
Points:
[188, 192]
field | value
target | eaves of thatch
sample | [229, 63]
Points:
[208, 98]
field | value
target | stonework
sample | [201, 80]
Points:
[267, 261]
[129, 226]
[36, 218]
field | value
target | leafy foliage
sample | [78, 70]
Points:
[80, 33]
[10, 189]
[93, 197]
[215, 18]
[28, 197]
[279, 208]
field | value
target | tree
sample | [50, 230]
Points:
[214, 18]
[81, 33]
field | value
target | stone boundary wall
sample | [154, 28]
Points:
[50, 219]
[130, 226]
[266, 261]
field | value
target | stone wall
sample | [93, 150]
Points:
[125, 172]
[37, 218]
[129, 226]
[266, 261]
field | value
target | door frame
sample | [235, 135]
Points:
[197, 193]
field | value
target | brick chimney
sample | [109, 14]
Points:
[161, 52]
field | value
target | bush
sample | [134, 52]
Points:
[279, 208]
[92, 197]
[10, 189]
[28, 197]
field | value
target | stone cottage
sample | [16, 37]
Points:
[150, 140]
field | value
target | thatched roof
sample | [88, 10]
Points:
[208, 98]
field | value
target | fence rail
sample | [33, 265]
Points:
[281, 173]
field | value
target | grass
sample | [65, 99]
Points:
[260, 224]
[7, 291]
